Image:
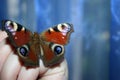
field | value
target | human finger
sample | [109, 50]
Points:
[5, 49]
[57, 73]
[11, 68]
[3, 35]
[28, 73]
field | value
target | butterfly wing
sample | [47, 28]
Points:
[51, 53]
[52, 43]
[59, 34]
[23, 40]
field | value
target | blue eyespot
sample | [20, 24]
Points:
[23, 51]
[69, 26]
[58, 50]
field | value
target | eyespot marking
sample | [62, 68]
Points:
[23, 51]
[57, 49]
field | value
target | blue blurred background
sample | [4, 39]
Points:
[88, 53]
[115, 38]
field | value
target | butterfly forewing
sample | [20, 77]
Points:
[58, 34]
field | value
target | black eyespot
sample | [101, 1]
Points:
[58, 50]
[23, 51]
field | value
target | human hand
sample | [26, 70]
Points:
[11, 69]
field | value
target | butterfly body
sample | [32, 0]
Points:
[30, 47]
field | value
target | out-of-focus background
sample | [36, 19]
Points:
[87, 53]
[114, 40]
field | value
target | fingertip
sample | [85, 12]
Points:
[3, 35]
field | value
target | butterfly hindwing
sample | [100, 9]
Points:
[51, 53]
[24, 42]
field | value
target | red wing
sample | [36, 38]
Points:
[22, 40]
[52, 43]
[18, 34]
[58, 34]
[51, 53]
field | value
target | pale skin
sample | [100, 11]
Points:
[11, 69]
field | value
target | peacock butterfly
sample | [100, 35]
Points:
[47, 46]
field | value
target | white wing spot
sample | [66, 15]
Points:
[65, 24]
[23, 28]
[59, 27]
[51, 29]
[15, 26]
